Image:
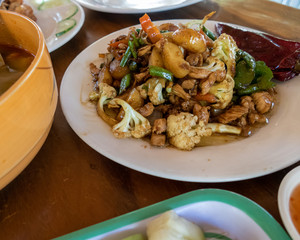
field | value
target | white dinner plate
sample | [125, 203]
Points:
[216, 211]
[272, 148]
[135, 6]
[50, 17]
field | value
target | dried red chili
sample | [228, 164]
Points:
[282, 56]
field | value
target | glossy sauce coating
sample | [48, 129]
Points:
[295, 207]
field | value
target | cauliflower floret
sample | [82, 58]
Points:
[184, 132]
[225, 49]
[153, 88]
[156, 96]
[212, 64]
[223, 91]
[133, 124]
[106, 93]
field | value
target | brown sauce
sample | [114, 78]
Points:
[295, 207]
[13, 63]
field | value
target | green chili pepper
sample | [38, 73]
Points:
[242, 55]
[262, 80]
[248, 90]
[251, 76]
[209, 33]
[132, 49]
[243, 75]
[141, 41]
[160, 72]
[133, 66]
[135, 40]
[245, 69]
[125, 57]
[264, 76]
[125, 82]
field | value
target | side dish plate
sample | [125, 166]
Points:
[214, 210]
[60, 20]
[272, 148]
[135, 6]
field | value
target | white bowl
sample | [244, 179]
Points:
[288, 184]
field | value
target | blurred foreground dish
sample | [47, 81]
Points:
[19, 7]
[27, 107]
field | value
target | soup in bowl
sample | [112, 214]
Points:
[13, 63]
[28, 93]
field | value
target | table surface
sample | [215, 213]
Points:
[69, 186]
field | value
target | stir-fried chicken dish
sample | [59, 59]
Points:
[177, 84]
[19, 7]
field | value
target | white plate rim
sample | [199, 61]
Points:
[207, 171]
[93, 5]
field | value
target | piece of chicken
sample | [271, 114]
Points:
[263, 101]
[232, 114]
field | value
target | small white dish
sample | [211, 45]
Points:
[288, 184]
[51, 13]
[216, 211]
[135, 6]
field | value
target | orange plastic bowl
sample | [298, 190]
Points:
[27, 107]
